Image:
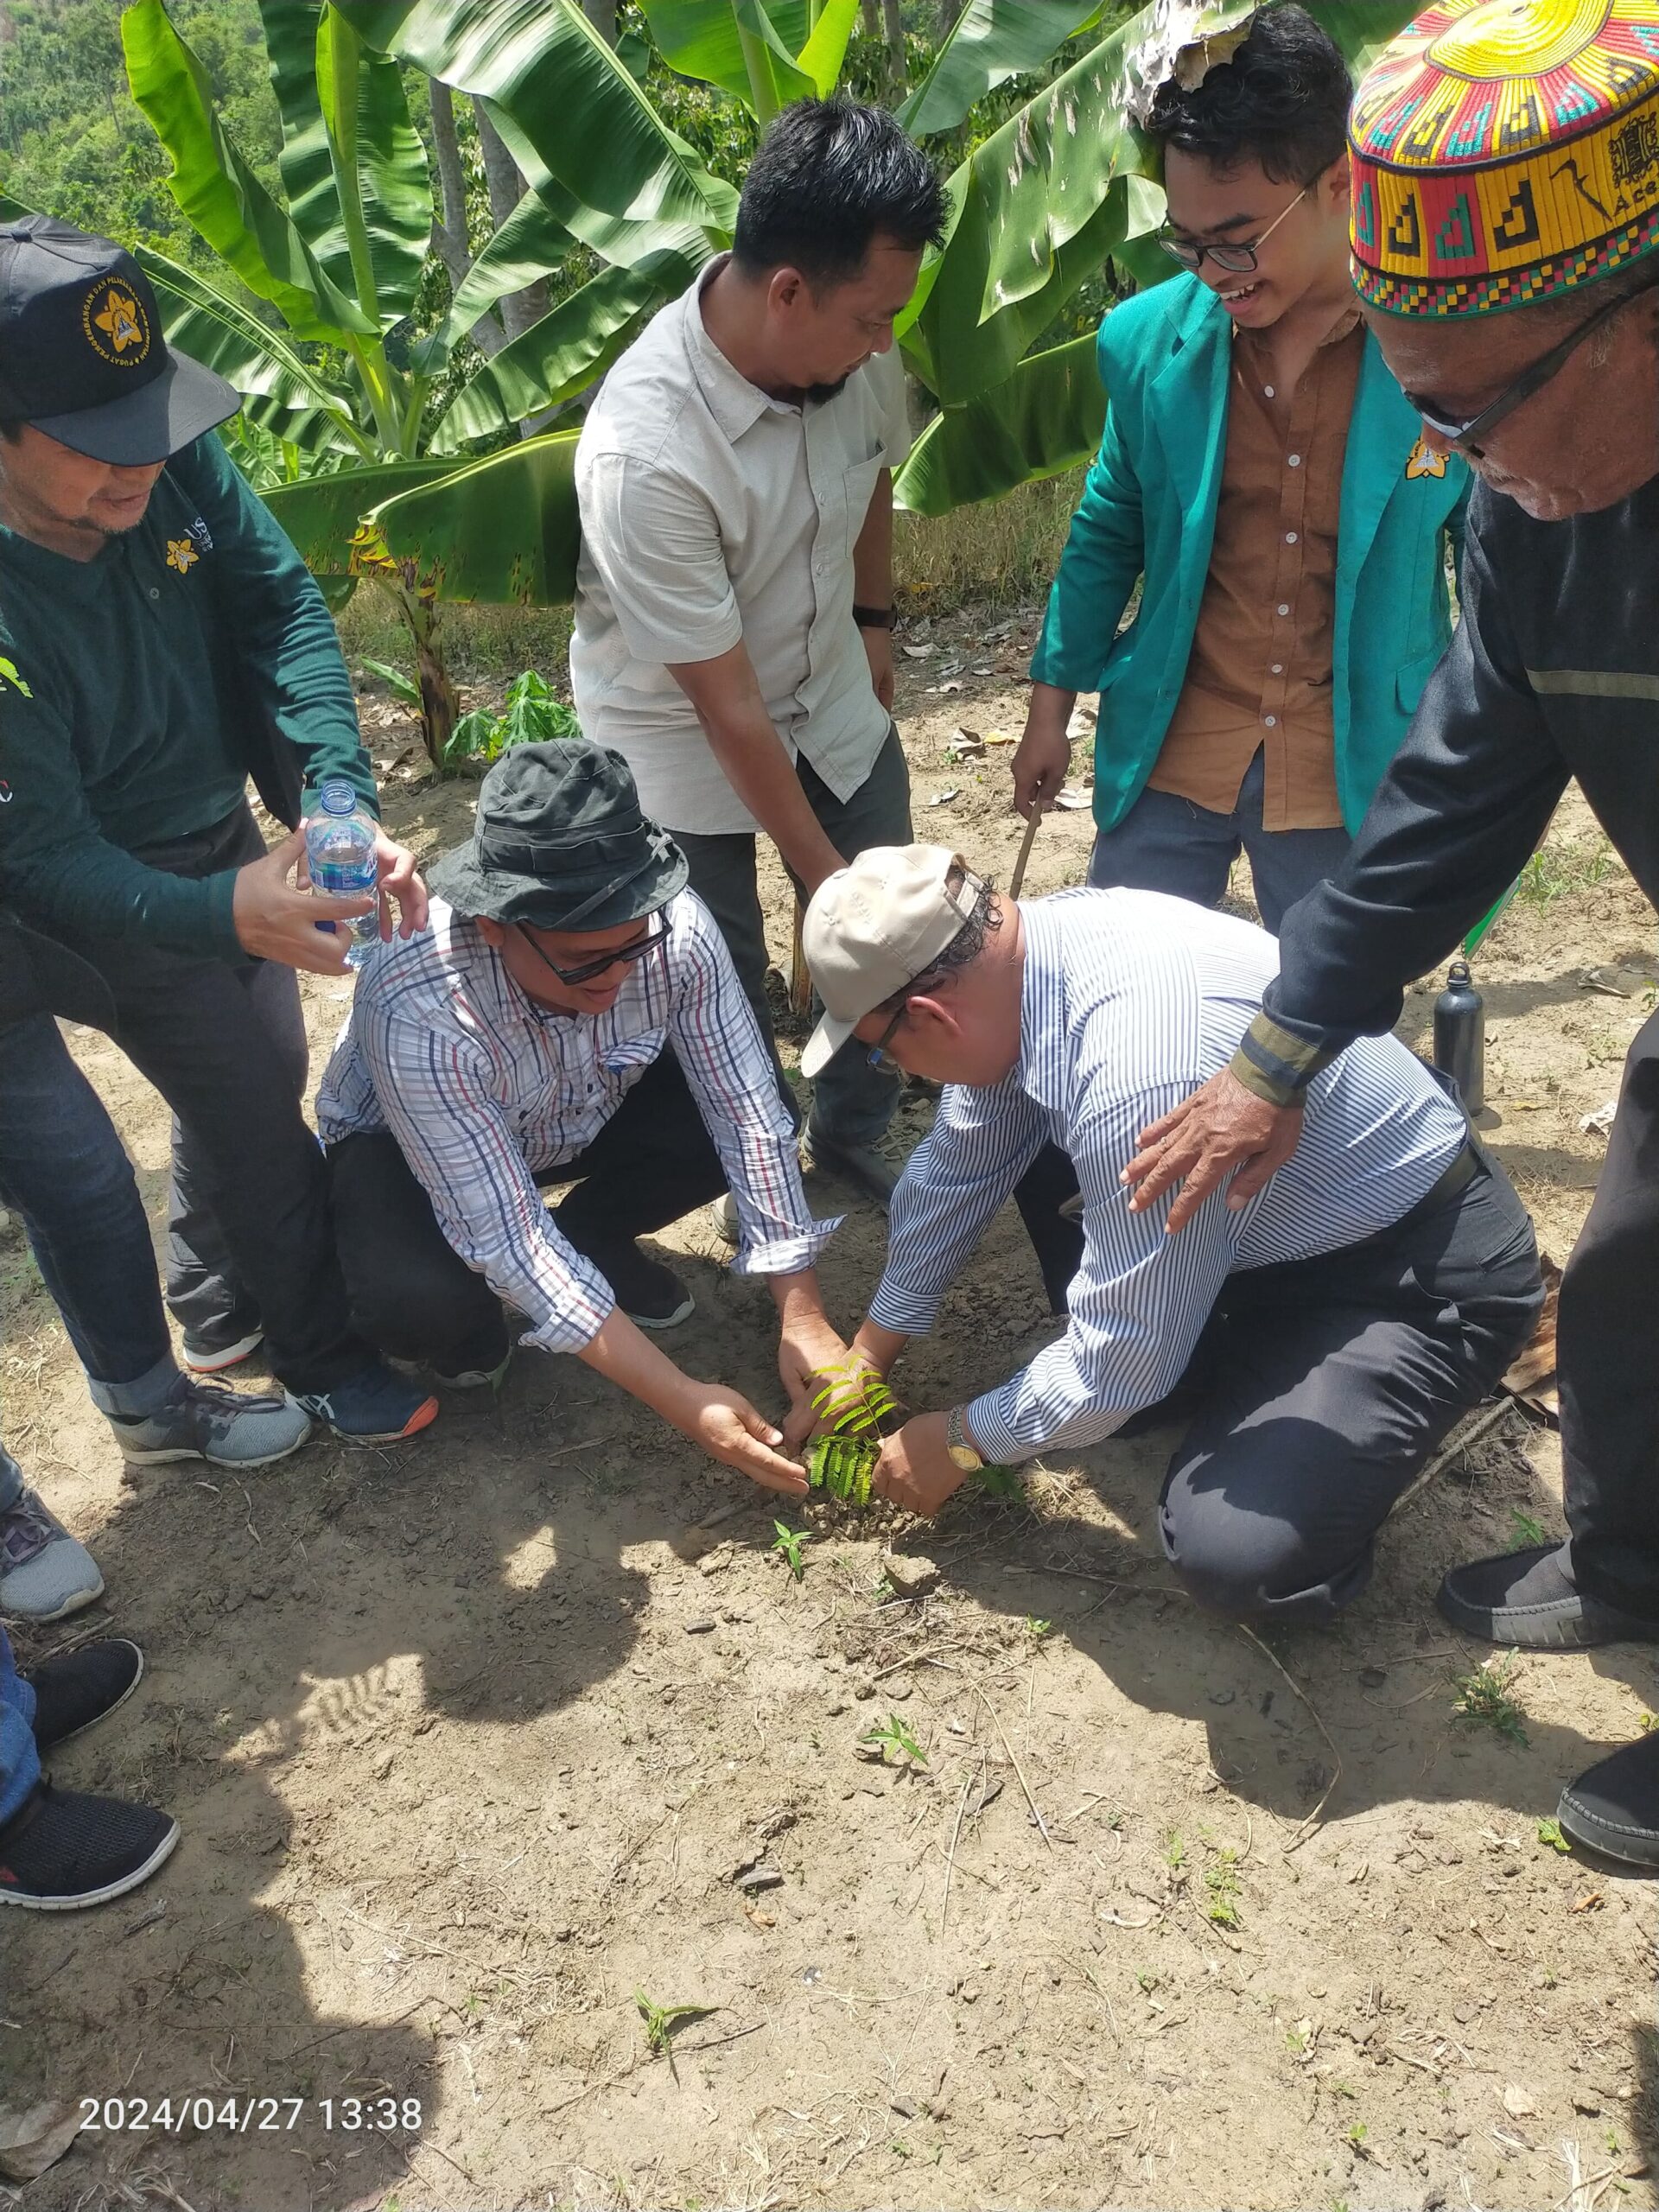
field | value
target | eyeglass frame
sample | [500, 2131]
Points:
[1246, 264]
[620, 955]
[878, 1056]
[1465, 434]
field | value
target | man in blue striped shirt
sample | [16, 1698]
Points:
[1379, 1285]
[569, 1015]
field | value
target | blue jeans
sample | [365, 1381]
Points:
[20, 1762]
[62, 1170]
[1166, 843]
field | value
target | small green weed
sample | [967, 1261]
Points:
[1221, 1879]
[1648, 1723]
[662, 2020]
[787, 1543]
[1037, 1629]
[1174, 1852]
[1146, 1983]
[1356, 2142]
[1484, 1695]
[1527, 1532]
[1549, 1832]
[897, 1738]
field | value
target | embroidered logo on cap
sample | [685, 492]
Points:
[117, 327]
[1423, 460]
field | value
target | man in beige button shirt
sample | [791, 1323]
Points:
[734, 597]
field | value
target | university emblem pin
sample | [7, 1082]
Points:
[181, 553]
[117, 327]
[1422, 460]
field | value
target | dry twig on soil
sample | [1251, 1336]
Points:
[1306, 1825]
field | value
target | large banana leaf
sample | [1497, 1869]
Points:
[765, 53]
[502, 531]
[1047, 416]
[216, 190]
[624, 240]
[990, 41]
[322, 514]
[542, 63]
[308, 169]
[559, 355]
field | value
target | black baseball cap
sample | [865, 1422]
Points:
[82, 356]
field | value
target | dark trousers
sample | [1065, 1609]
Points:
[63, 1171]
[221, 1040]
[415, 1298]
[1167, 843]
[852, 1102]
[1607, 1341]
[1326, 1384]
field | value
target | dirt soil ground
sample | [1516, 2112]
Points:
[480, 1743]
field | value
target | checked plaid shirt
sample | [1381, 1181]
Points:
[484, 1091]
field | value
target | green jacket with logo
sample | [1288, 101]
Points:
[139, 690]
[1149, 512]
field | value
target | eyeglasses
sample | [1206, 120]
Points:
[1467, 432]
[1241, 260]
[878, 1056]
[620, 955]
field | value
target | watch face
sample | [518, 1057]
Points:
[962, 1456]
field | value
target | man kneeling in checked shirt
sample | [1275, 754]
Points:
[1380, 1284]
[569, 1015]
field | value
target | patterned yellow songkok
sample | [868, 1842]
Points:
[1505, 151]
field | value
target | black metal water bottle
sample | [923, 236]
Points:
[1460, 1036]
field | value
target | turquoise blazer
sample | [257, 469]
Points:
[1148, 512]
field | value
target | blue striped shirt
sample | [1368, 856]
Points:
[483, 1090]
[1129, 1002]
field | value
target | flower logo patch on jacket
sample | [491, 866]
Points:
[1423, 460]
[181, 553]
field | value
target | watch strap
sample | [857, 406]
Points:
[874, 618]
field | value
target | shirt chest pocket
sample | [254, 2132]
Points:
[858, 485]
[622, 1060]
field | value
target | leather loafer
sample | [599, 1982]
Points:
[1613, 1807]
[1527, 1597]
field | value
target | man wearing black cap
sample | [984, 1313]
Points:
[160, 640]
[572, 1015]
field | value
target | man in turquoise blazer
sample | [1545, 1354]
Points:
[1265, 481]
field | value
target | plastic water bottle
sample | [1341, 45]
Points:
[340, 844]
[1460, 1036]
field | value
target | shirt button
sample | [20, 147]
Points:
[1284, 607]
[1271, 721]
[154, 592]
[1267, 391]
[1295, 461]
[1278, 667]
[1290, 538]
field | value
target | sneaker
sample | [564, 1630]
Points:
[203, 1357]
[65, 1849]
[374, 1405]
[201, 1421]
[860, 1165]
[1528, 1598]
[74, 1688]
[722, 1217]
[476, 1378]
[45, 1573]
[1613, 1807]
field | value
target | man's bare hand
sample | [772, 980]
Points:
[1219, 1131]
[277, 921]
[878, 651]
[810, 1355]
[915, 1471]
[399, 882]
[1041, 762]
[730, 1430]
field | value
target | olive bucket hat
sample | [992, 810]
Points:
[560, 842]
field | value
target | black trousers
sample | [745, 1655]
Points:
[414, 1297]
[216, 1039]
[1607, 1341]
[1324, 1386]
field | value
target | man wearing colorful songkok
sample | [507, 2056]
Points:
[1505, 165]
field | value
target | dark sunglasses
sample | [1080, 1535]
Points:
[622, 956]
[1467, 432]
[1239, 259]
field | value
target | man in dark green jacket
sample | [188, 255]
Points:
[160, 639]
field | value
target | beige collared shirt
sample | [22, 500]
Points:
[711, 513]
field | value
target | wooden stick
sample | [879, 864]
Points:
[1305, 1825]
[1019, 875]
[1036, 1814]
[956, 1833]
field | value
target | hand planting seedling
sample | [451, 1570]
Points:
[858, 1409]
[897, 1737]
[788, 1543]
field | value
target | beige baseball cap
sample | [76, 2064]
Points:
[875, 926]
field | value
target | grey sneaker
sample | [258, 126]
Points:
[203, 1420]
[44, 1571]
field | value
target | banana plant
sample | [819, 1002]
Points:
[338, 256]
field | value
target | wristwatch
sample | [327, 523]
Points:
[959, 1450]
[874, 618]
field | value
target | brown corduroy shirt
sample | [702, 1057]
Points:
[1259, 676]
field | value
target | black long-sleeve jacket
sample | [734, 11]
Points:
[1554, 673]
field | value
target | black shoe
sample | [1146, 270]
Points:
[1528, 1598]
[651, 1295]
[867, 1170]
[66, 1850]
[1613, 1807]
[78, 1687]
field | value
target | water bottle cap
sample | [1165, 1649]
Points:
[337, 796]
[1458, 972]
